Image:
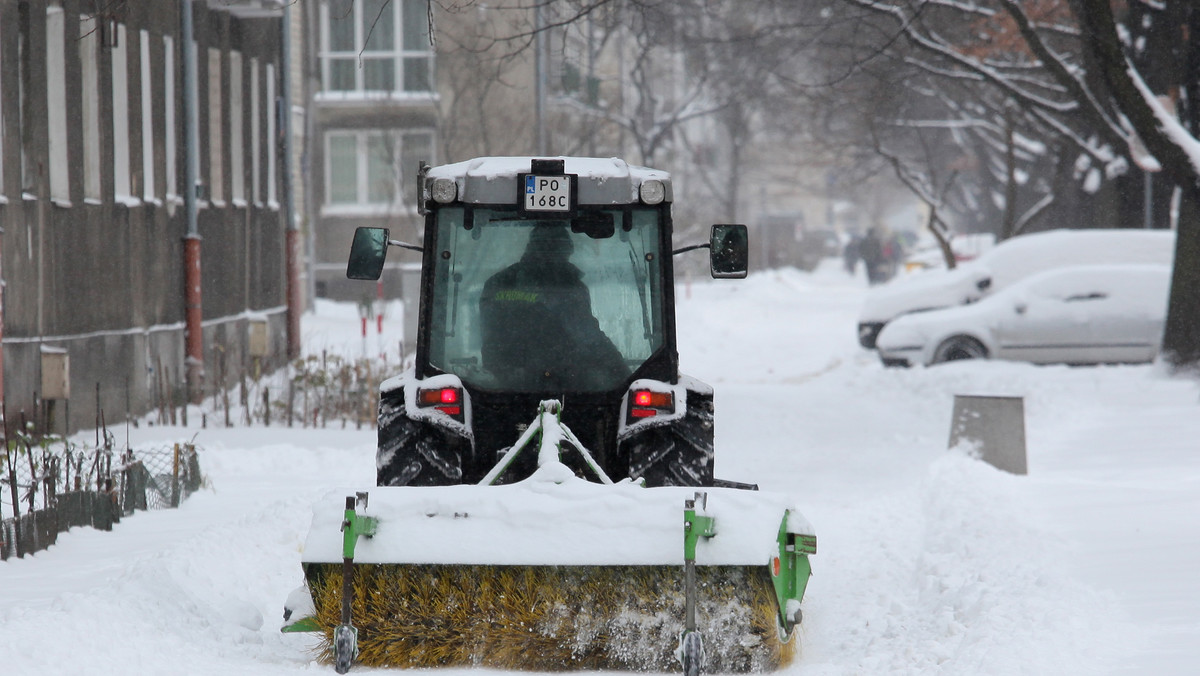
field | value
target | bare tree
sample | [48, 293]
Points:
[970, 72]
[1067, 78]
[677, 83]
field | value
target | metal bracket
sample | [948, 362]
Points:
[354, 525]
[790, 570]
[546, 433]
[695, 526]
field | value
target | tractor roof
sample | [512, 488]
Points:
[602, 181]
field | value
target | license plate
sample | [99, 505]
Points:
[547, 193]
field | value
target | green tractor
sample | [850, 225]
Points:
[545, 495]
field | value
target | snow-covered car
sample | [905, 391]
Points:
[1086, 314]
[1011, 260]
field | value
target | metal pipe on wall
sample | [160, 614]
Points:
[193, 312]
[292, 242]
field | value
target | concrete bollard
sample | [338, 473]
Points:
[994, 426]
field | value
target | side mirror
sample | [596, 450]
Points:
[729, 248]
[367, 253]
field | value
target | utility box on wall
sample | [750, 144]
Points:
[259, 343]
[56, 373]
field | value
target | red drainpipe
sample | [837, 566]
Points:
[194, 340]
[193, 316]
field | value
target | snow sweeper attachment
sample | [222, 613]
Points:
[545, 496]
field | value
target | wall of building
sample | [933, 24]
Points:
[94, 266]
[370, 111]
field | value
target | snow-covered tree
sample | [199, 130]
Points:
[1044, 100]
[1172, 145]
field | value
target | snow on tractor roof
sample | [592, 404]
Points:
[602, 180]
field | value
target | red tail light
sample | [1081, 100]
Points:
[648, 403]
[448, 400]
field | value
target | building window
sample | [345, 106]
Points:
[216, 148]
[194, 133]
[373, 170]
[272, 142]
[237, 143]
[376, 47]
[90, 75]
[2, 130]
[415, 147]
[255, 135]
[148, 192]
[169, 146]
[120, 102]
[28, 170]
[56, 84]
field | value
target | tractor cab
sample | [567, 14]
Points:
[542, 279]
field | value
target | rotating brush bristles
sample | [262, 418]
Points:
[622, 618]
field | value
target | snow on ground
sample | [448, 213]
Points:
[928, 562]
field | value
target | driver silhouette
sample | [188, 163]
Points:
[537, 323]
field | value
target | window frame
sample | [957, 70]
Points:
[255, 134]
[56, 93]
[3, 127]
[401, 200]
[149, 189]
[237, 144]
[398, 53]
[275, 107]
[169, 122]
[122, 175]
[216, 137]
[446, 325]
[89, 56]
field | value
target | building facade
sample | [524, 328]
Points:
[97, 214]
[369, 99]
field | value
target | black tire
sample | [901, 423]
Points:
[676, 454]
[412, 453]
[343, 648]
[957, 348]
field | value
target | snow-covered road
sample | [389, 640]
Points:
[928, 562]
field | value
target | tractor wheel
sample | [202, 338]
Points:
[412, 453]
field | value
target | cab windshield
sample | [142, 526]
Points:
[537, 305]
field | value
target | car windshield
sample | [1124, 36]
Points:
[536, 305]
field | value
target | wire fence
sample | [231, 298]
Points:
[48, 485]
[314, 391]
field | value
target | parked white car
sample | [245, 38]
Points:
[1091, 314]
[1002, 265]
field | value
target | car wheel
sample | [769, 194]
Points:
[959, 347]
